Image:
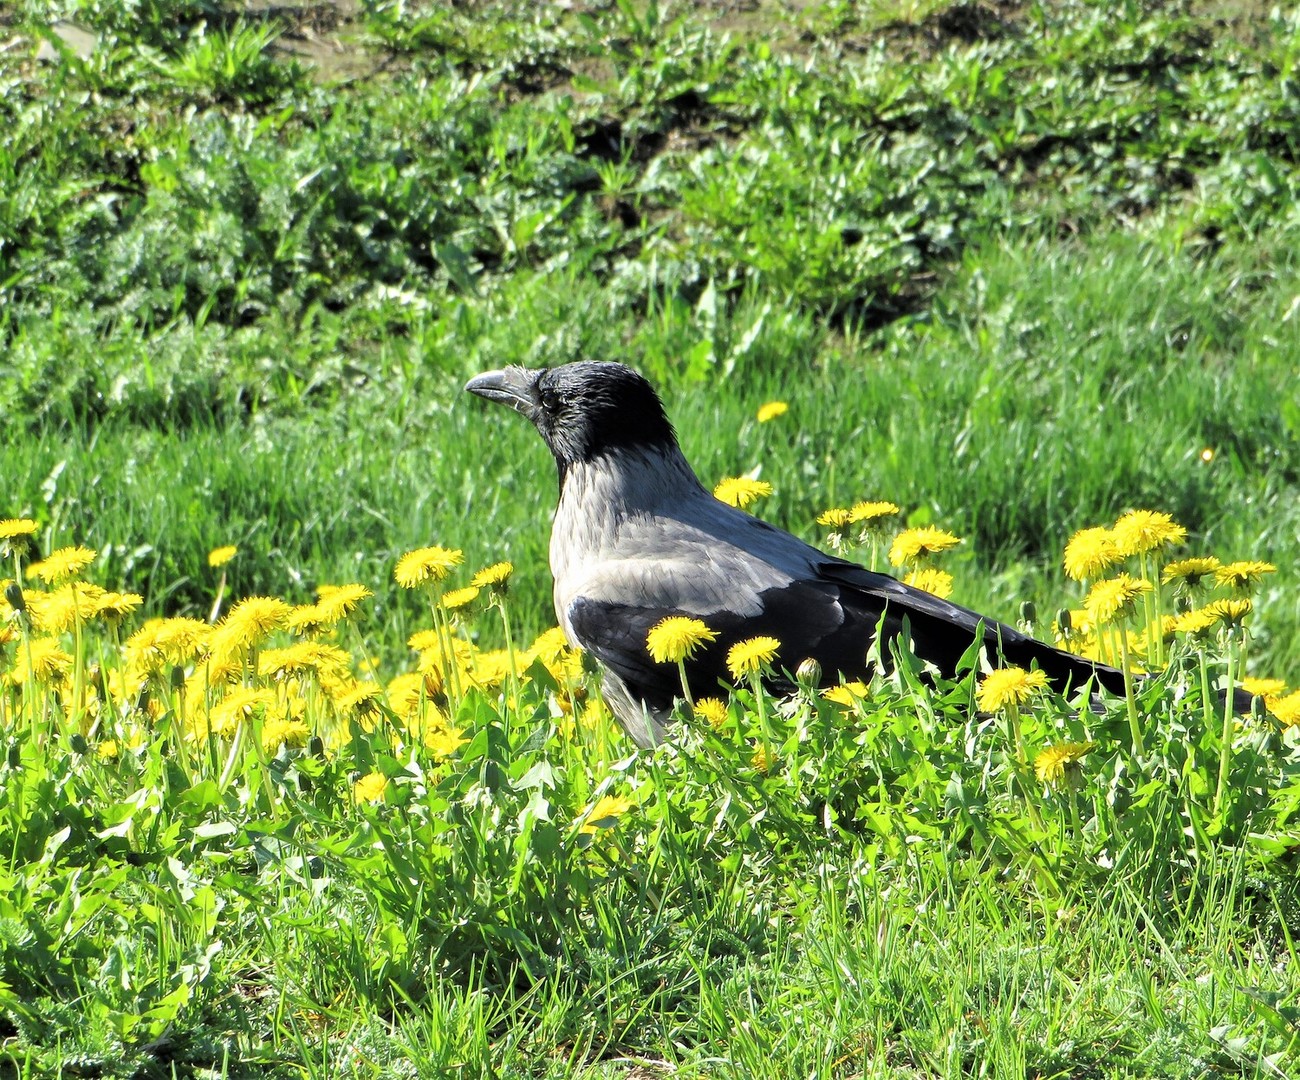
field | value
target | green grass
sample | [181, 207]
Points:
[1017, 269]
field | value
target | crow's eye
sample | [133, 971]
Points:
[550, 400]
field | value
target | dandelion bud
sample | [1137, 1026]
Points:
[1074, 779]
[1028, 612]
[177, 678]
[14, 594]
[809, 672]
[78, 743]
[1064, 622]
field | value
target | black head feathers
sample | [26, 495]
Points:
[583, 410]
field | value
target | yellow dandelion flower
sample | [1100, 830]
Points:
[749, 657]
[303, 657]
[1265, 688]
[761, 760]
[1231, 612]
[741, 491]
[1168, 626]
[595, 716]
[143, 650]
[434, 662]
[283, 732]
[17, 535]
[837, 517]
[1188, 574]
[911, 545]
[443, 742]
[65, 563]
[1114, 598]
[49, 663]
[406, 693]
[13, 528]
[488, 668]
[938, 582]
[560, 659]
[338, 602]
[1286, 709]
[426, 565]
[551, 643]
[55, 612]
[494, 576]
[1140, 531]
[107, 750]
[677, 638]
[222, 555]
[250, 622]
[712, 710]
[370, 788]
[771, 410]
[455, 599]
[871, 513]
[605, 812]
[116, 605]
[1195, 622]
[1242, 575]
[1009, 686]
[847, 694]
[1089, 552]
[351, 696]
[1052, 761]
[424, 640]
[180, 638]
[237, 705]
[307, 620]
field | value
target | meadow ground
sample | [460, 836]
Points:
[1018, 269]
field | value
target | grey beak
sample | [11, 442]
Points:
[513, 386]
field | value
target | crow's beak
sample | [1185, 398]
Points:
[513, 386]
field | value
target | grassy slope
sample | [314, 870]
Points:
[994, 283]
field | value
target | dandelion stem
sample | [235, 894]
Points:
[1207, 704]
[1020, 761]
[512, 695]
[760, 700]
[78, 664]
[1134, 724]
[1225, 737]
[450, 669]
[1156, 631]
[686, 688]
[216, 602]
[236, 744]
[1075, 825]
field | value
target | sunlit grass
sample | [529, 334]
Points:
[476, 814]
[1022, 271]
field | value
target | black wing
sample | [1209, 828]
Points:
[942, 631]
[832, 618]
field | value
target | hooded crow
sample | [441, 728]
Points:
[636, 538]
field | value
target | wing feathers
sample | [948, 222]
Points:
[831, 616]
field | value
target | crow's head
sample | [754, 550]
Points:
[583, 410]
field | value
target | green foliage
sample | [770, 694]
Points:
[1017, 269]
[595, 897]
